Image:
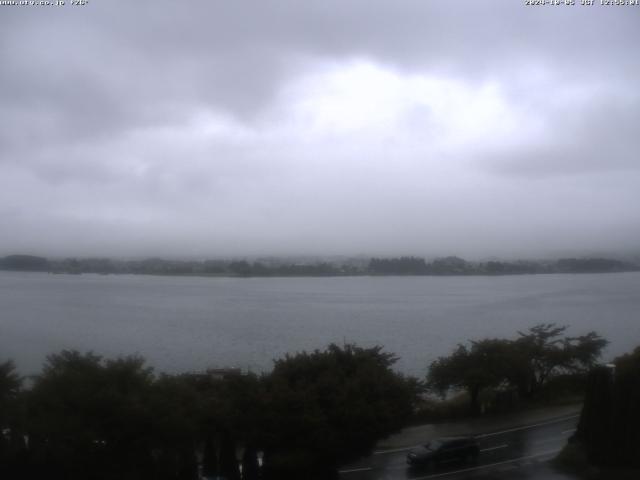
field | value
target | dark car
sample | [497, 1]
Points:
[444, 450]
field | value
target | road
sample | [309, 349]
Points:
[517, 452]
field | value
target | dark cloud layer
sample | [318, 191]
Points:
[319, 127]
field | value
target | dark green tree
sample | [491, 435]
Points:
[12, 445]
[481, 365]
[232, 418]
[527, 363]
[626, 415]
[329, 407]
[176, 410]
[10, 385]
[90, 419]
[543, 352]
[609, 427]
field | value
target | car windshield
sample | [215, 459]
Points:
[433, 445]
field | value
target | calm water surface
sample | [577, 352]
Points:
[189, 323]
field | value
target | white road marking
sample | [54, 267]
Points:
[551, 422]
[353, 470]
[493, 448]
[571, 430]
[528, 457]
[404, 449]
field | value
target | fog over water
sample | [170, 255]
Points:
[209, 128]
[187, 323]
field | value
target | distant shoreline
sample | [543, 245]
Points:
[285, 268]
[358, 275]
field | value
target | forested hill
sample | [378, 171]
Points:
[282, 267]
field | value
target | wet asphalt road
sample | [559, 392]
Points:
[513, 453]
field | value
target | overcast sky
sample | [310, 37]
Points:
[215, 128]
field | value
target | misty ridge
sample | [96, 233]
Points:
[314, 266]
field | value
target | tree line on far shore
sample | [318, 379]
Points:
[274, 267]
[84, 416]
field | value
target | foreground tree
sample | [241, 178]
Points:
[543, 352]
[11, 439]
[527, 363]
[329, 407]
[10, 384]
[231, 421]
[88, 418]
[609, 427]
[481, 365]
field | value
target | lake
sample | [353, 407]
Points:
[191, 323]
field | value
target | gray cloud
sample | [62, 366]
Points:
[319, 127]
[594, 136]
